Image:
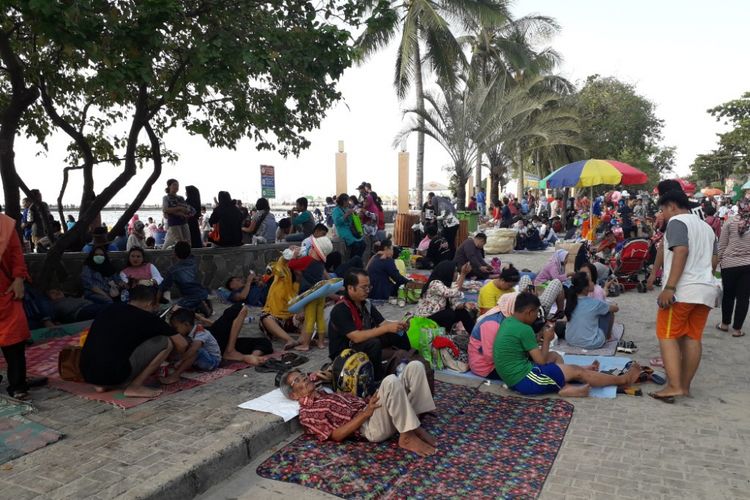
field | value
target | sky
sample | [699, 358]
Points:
[685, 56]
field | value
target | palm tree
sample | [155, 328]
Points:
[425, 37]
[484, 116]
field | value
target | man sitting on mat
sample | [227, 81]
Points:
[529, 369]
[395, 408]
[356, 323]
[127, 343]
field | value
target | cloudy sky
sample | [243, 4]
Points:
[686, 56]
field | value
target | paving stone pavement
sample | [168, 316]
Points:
[185, 443]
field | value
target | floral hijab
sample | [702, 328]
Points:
[743, 216]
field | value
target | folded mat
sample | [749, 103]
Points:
[608, 349]
[605, 363]
[489, 446]
[18, 434]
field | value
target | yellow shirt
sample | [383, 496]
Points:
[489, 294]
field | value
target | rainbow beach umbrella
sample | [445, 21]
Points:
[589, 173]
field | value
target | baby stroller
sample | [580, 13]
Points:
[629, 262]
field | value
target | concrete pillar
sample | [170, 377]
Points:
[487, 191]
[403, 182]
[341, 184]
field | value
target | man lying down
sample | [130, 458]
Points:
[395, 408]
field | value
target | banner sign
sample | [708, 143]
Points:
[267, 181]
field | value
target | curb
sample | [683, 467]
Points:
[218, 465]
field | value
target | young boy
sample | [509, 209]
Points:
[302, 221]
[203, 352]
[531, 370]
[319, 231]
[250, 290]
[184, 274]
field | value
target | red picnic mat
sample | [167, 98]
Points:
[41, 359]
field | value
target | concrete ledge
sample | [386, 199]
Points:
[219, 464]
[216, 264]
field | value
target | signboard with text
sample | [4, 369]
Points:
[267, 181]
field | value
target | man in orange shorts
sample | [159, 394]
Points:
[688, 294]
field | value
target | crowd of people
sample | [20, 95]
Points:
[506, 335]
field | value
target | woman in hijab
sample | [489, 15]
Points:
[483, 336]
[193, 199]
[229, 220]
[441, 302]
[734, 257]
[99, 277]
[554, 269]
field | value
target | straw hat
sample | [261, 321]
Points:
[322, 246]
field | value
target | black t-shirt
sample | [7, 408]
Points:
[342, 323]
[436, 252]
[312, 274]
[230, 219]
[115, 334]
[625, 214]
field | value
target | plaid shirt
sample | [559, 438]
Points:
[325, 413]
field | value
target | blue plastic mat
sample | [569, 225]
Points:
[605, 363]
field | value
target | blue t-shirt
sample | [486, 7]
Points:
[584, 329]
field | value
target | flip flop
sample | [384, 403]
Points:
[656, 362]
[664, 399]
[718, 327]
[735, 335]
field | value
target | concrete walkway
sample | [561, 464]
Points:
[184, 444]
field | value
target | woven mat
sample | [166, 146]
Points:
[488, 447]
[18, 434]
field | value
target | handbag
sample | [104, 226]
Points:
[69, 363]
[214, 235]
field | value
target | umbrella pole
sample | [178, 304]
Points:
[591, 214]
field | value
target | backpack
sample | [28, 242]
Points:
[353, 373]
[715, 224]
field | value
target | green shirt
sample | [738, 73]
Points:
[511, 350]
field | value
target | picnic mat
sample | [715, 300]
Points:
[57, 331]
[470, 375]
[18, 434]
[489, 446]
[41, 359]
[608, 349]
[605, 363]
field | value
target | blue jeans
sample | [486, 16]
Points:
[205, 362]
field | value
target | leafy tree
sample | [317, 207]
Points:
[224, 71]
[618, 123]
[426, 37]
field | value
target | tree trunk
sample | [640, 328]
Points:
[478, 171]
[519, 188]
[146, 189]
[52, 258]
[21, 98]
[60, 195]
[494, 188]
[461, 192]
[419, 87]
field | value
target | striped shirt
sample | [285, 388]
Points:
[734, 250]
[324, 413]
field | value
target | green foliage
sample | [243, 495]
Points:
[618, 123]
[732, 157]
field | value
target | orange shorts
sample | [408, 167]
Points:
[681, 319]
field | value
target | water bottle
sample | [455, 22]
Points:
[125, 296]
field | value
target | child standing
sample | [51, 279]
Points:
[203, 352]
[314, 272]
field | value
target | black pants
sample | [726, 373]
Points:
[15, 358]
[374, 349]
[736, 284]
[222, 327]
[449, 317]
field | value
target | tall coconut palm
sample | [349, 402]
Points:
[426, 37]
[510, 49]
[483, 116]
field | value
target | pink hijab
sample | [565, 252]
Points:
[505, 305]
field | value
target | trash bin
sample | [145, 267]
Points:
[471, 218]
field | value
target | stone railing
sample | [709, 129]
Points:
[216, 264]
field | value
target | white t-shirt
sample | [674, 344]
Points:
[696, 285]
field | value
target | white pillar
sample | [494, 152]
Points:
[403, 182]
[341, 185]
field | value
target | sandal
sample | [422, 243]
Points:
[648, 375]
[626, 346]
[718, 327]
[656, 362]
[664, 399]
[738, 333]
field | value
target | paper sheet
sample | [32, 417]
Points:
[274, 402]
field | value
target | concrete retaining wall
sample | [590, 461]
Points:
[216, 264]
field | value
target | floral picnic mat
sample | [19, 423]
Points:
[41, 359]
[488, 447]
